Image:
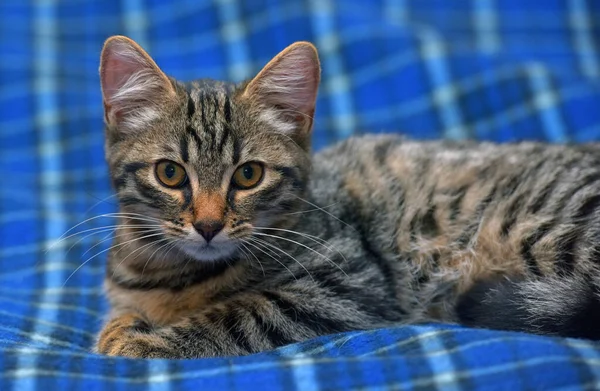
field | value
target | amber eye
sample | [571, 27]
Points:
[248, 175]
[170, 174]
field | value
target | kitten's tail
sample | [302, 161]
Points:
[565, 306]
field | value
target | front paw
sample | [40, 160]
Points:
[130, 336]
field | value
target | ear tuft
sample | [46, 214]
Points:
[134, 89]
[287, 88]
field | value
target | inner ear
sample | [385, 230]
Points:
[287, 88]
[134, 89]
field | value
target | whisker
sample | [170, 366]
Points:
[166, 254]
[308, 236]
[324, 211]
[255, 257]
[105, 250]
[244, 250]
[99, 230]
[98, 203]
[159, 248]
[134, 216]
[135, 251]
[265, 243]
[109, 230]
[292, 142]
[146, 231]
[302, 245]
[106, 238]
[103, 229]
[272, 252]
[142, 246]
[275, 259]
[152, 255]
[311, 210]
[314, 238]
[187, 262]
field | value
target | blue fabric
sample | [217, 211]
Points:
[493, 70]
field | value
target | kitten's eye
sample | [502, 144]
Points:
[247, 175]
[170, 174]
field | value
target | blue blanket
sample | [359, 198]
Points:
[493, 70]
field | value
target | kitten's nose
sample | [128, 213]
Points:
[208, 228]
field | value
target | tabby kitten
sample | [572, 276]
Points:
[233, 240]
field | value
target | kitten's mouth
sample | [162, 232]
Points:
[209, 251]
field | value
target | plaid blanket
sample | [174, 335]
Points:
[495, 70]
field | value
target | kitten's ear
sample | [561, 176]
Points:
[134, 89]
[287, 88]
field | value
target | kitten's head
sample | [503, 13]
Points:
[208, 162]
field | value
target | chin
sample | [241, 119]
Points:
[212, 252]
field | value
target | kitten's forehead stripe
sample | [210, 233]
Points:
[192, 132]
[214, 124]
[202, 102]
[183, 149]
[191, 107]
[224, 137]
[237, 150]
[227, 109]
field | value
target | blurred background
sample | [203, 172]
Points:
[499, 70]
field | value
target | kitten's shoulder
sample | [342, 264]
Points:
[381, 144]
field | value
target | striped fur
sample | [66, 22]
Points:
[386, 231]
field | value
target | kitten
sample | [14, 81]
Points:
[233, 240]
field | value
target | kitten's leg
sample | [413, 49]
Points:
[129, 335]
[241, 325]
[561, 306]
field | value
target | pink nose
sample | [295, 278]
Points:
[208, 228]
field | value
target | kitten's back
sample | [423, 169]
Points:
[468, 213]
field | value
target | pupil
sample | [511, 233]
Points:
[248, 172]
[170, 171]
